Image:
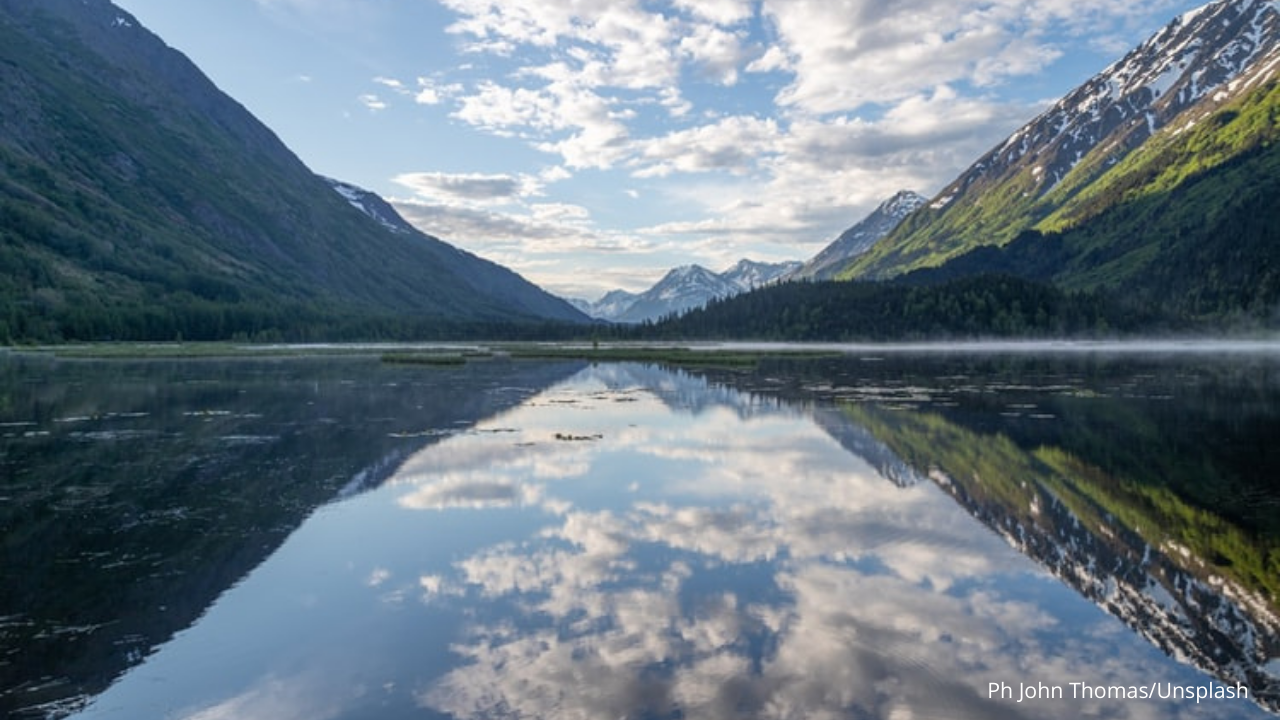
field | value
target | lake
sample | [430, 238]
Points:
[1054, 533]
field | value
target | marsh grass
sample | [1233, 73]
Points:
[673, 355]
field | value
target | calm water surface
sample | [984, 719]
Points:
[876, 536]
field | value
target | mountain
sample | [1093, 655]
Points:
[1194, 230]
[858, 239]
[748, 275]
[1199, 62]
[490, 280]
[681, 289]
[137, 201]
[609, 306]
[685, 288]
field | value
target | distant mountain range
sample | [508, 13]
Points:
[693, 286]
[684, 288]
[137, 201]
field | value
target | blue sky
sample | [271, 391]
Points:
[595, 144]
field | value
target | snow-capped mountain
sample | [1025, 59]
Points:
[749, 274]
[608, 307]
[858, 239]
[682, 289]
[1182, 73]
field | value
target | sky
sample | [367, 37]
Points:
[592, 145]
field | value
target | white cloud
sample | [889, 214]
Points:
[495, 107]
[469, 492]
[468, 187]
[559, 212]
[774, 59]
[733, 144]
[302, 697]
[372, 102]
[635, 41]
[720, 12]
[717, 52]
[555, 244]
[596, 137]
[857, 52]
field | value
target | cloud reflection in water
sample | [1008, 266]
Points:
[757, 569]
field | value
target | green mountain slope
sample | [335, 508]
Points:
[1189, 221]
[139, 202]
[1053, 172]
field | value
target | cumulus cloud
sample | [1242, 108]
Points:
[734, 144]
[505, 218]
[720, 12]
[717, 52]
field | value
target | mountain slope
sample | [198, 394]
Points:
[138, 201]
[1188, 222]
[492, 281]
[1193, 62]
[748, 275]
[858, 239]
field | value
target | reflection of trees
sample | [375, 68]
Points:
[1181, 576]
[144, 489]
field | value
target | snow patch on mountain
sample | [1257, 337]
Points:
[371, 205]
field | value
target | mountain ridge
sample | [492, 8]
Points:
[684, 288]
[1024, 179]
[858, 239]
[140, 202]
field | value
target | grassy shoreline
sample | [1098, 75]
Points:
[690, 355]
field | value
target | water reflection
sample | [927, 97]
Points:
[641, 543]
[134, 493]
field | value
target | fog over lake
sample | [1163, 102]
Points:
[997, 531]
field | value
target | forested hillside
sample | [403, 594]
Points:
[978, 306]
[139, 202]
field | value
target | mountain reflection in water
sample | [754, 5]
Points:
[795, 543]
